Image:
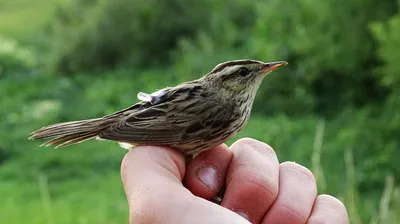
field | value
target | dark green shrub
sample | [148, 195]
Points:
[387, 35]
[330, 53]
[130, 33]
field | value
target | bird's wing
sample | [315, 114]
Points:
[187, 114]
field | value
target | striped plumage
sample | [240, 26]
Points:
[192, 117]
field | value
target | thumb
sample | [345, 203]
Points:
[149, 163]
[152, 178]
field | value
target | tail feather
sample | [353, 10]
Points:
[70, 139]
[64, 128]
[68, 133]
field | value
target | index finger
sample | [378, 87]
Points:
[252, 179]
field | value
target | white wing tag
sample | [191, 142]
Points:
[153, 98]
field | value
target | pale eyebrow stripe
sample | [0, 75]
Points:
[221, 66]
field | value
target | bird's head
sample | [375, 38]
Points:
[241, 75]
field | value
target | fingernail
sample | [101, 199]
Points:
[209, 177]
[242, 213]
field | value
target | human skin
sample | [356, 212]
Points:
[161, 188]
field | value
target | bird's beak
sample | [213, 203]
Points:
[270, 66]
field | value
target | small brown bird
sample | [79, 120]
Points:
[191, 117]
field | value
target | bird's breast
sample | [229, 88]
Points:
[243, 113]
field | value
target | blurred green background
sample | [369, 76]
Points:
[334, 109]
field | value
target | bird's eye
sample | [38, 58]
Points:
[243, 71]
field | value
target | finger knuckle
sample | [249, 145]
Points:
[256, 182]
[292, 215]
[300, 171]
[319, 220]
[250, 144]
[332, 202]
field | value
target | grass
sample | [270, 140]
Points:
[98, 199]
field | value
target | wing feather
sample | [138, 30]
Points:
[185, 116]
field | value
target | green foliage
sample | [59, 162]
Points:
[123, 32]
[329, 63]
[333, 109]
[14, 57]
[388, 37]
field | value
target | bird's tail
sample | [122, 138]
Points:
[68, 133]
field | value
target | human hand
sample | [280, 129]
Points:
[257, 187]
